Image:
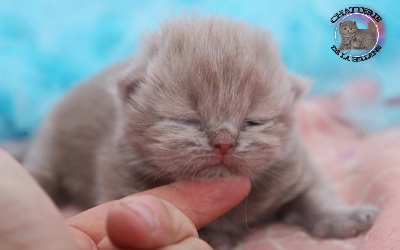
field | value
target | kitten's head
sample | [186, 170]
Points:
[347, 28]
[208, 98]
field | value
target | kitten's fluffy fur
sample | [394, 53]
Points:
[355, 38]
[197, 83]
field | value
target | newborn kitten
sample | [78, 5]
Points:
[206, 98]
[354, 38]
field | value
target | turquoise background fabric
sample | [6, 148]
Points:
[47, 46]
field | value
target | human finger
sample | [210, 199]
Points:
[200, 201]
[29, 219]
[147, 222]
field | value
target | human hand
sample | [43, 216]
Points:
[144, 220]
[149, 220]
[29, 219]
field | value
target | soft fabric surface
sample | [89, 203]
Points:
[365, 169]
[48, 46]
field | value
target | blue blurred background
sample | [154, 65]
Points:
[48, 46]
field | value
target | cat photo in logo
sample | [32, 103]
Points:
[355, 38]
[358, 33]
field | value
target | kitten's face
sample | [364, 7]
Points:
[347, 28]
[211, 105]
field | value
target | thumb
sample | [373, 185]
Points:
[204, 201]
[169, 214]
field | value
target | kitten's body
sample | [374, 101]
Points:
[205, 99]
[355, 38]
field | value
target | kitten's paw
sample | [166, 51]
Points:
[345, 222]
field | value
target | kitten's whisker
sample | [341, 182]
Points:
[246, 217]
[161, 175]
[157, 175]
[278, 177]
[149, 176]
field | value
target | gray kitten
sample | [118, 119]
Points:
[355, 38]
[206, 98]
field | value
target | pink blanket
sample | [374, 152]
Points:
[364, 168]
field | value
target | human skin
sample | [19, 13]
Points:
[166, 217]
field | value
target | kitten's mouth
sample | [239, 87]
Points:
[224, 159]
[220, 166]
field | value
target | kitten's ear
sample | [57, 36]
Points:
[300, 85]
[128, 84]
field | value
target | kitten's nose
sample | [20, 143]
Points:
[223, 147]
[223, 141]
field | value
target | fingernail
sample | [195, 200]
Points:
[142, 210]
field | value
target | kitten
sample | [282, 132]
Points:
[354, 38]
[206, 98]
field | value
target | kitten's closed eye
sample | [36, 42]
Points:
[192, 122]
[254, 123]
[189, 122]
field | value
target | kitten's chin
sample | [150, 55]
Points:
[217, 171]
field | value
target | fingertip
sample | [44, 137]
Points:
[132, 222]
[231, 190]
[205, 201]
[243, 184]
